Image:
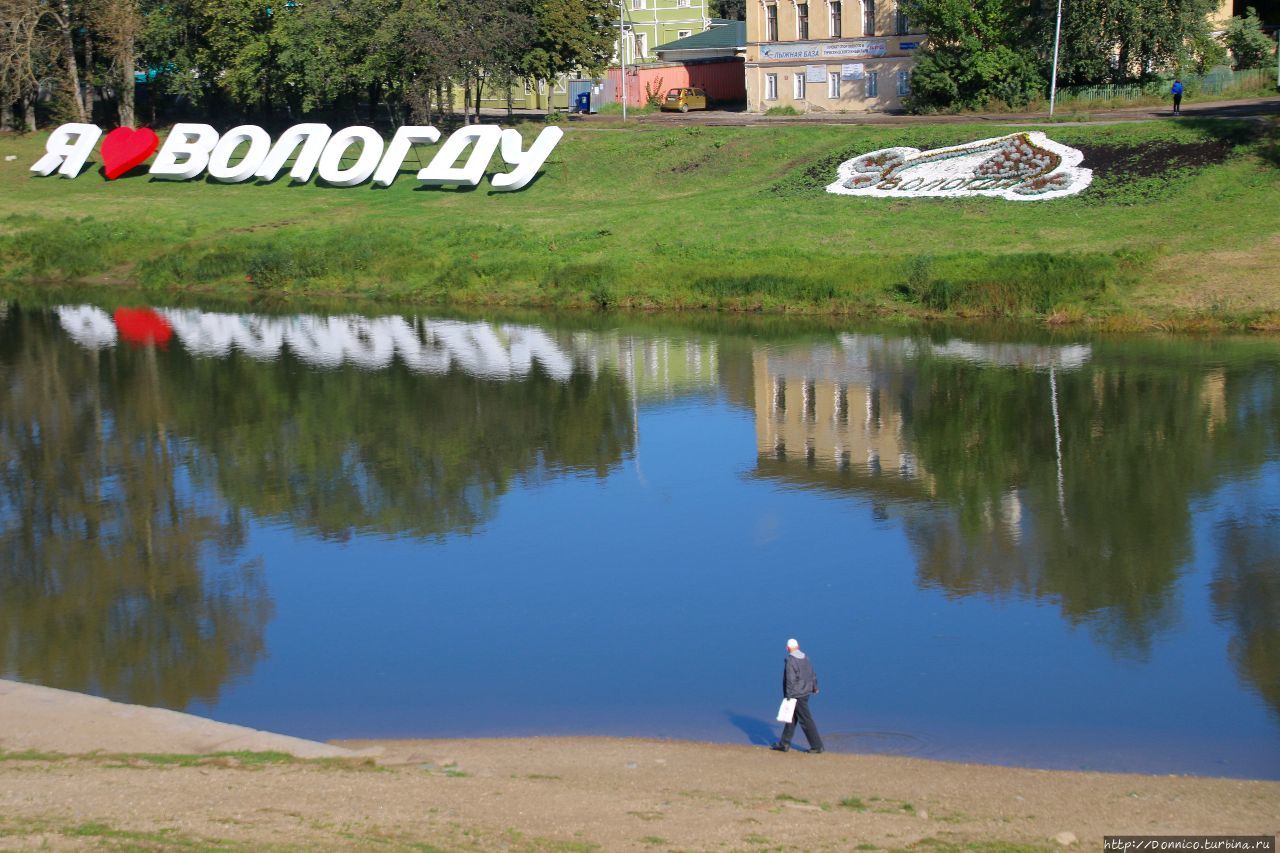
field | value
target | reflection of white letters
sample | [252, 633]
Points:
[220, 168]
[312, 137]
[441, 171]
[399, 149]
[190, 142]
[331, 171]
[67, 148]
[88, 326]
[527, 163]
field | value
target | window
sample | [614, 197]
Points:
[873, 84]
[637, 4]
[641, 45]
[527, 88]
[802, 21]
[904, 83]
[904, 26]
[833, 85]
[771, 87]
[835, 19]
[771, 22]
[683, 34]
[798, 89]
[683, 4]
[868, 17]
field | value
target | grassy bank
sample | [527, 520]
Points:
[1178, 229]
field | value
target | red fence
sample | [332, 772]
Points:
[724, 82]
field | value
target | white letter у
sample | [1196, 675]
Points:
[331, 170]
[399, 149]
[440, 170]
[192, 143]
[527, 163]
[67, 148]
[220, 168]
[312, 137]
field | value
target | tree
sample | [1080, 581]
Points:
[977, 52]
[733, 10]
[1121, 40]
[571, 34]
[28, 52]
[121, 22]
[1249, 45]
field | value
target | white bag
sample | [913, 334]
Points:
[787, 711]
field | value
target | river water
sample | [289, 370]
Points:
[997, 545]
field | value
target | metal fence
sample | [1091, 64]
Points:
[1213, 83]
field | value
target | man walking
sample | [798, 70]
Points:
[799, 682]
[1176, 91]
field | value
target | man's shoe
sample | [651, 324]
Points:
[816, 751]
[779, 747]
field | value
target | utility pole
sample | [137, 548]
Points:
[1053, 79]
[622, 56]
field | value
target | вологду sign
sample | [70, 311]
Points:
[194, 149]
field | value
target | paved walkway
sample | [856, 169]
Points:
[1250, 108]
[49, 720]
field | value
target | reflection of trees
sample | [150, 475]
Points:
[101, 585]
[1246, 595]
[390, 451]
[1138, 446]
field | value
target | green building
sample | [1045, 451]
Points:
[649, 23]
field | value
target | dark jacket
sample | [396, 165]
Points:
[798, 677]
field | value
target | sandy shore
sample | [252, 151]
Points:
[79, 772]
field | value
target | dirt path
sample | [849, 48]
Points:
[580, 794]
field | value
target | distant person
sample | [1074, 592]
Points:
[799, 682]
[1177, 97]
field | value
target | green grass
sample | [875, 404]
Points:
[647, 217]
[854, 803]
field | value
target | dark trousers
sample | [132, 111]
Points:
[1177, 103]
[805, 719]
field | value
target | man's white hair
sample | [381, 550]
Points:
[793, 643]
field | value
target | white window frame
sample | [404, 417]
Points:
[771, 22]
[869, 17]
[637, 5]
[835, 18]
[904, 83]
[683, 4]
[802, 20]
[833, 85]
[771, 87]
[683, 34]
[641, 45]
[797, 85]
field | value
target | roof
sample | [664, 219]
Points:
[731, 35]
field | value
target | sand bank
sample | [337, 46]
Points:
[549, 793]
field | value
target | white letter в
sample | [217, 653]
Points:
[441, 171]
[312, 138]
[399, 149]
[190, 142]
[527, 163]
[67, 148]
[331, 160]
[220, 168]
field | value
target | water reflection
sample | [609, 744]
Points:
[115, 577]
[1019, 470]
[1011, 478]
[1246, 596]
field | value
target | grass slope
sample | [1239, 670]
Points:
[693, 217]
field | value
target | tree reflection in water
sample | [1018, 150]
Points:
[1246, 596]
[966, 453]
[115, 578]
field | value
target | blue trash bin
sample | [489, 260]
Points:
[582, 103]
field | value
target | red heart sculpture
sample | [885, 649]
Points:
[125, 148]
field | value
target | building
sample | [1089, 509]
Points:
[649, 23]
[829, 55]
[709, 59]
